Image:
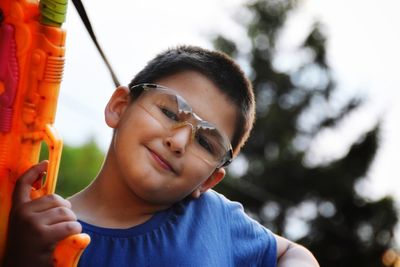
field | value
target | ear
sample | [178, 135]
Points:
[211, 181]
[116, 106]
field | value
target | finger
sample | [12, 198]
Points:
[57, 215]
[23, 185]
[61, 230]
[47, 202]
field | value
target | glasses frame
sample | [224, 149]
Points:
[186, 108]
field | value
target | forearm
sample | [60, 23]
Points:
[296, 255]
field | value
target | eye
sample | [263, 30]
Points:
[205, 143]
[169, 114]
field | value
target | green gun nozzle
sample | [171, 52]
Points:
[53, 12]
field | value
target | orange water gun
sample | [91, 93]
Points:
[32, 48]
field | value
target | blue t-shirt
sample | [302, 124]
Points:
[210, 231]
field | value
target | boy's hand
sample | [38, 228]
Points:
[36, 226]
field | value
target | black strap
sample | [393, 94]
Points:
[82, 13]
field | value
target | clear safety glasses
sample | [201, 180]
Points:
[173, 112]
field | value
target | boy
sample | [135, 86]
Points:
[178, 124]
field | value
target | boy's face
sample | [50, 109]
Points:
[159, 165]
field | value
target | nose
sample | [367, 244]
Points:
[179, 138]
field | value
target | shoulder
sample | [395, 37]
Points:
[215, 207]
[246, 236]
[216, 204]
[230, 209]
[214, 198]
[212, 206]
[232, 215]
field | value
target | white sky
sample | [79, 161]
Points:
[363, 50]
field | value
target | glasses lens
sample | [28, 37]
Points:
[210, 143]
[173, 112]
[161, 106]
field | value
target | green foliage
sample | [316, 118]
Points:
[78, 166]
[338, 224]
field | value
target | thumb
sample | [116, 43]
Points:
[23, 187]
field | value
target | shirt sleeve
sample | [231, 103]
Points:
[252, 242]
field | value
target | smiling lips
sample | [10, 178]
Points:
[162, 162]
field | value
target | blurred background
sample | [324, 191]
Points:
[320, 166]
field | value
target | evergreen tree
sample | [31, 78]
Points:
[280, 187]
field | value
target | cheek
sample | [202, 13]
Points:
[140, 125]
[196, 172]
[130, 133]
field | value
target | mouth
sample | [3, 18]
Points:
[164, 164]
